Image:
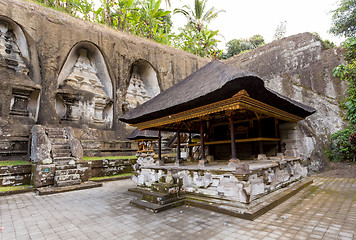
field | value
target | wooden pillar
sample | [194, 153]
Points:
[233, 159]
[190, 157]
[160, 161]
[279, 147]
[179, 160]
[202, 161]
[260, 143]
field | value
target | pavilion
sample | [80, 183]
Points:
[226, 106]
[236, 116]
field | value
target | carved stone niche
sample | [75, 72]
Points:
[15, 62]
[85, 90]
[142, 86]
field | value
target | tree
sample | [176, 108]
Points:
[151, 17]
[197, 17]
[236, 46]
[344, 19]
[280, 31]
[257, 40]
[201, 43]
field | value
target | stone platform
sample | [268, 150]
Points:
[246, 190]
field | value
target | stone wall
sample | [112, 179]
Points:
[77, 74]
[14, 175]
[301, 68]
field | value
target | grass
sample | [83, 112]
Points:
[112, 176]
[11, 163]
[14, 188]
[108, 157]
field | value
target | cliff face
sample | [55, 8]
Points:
[59, 57]
[300, 68]
[61, 71]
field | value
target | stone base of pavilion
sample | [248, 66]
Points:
[245, 190]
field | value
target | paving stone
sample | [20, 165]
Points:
[105, 213]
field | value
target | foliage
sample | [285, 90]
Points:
[343, 142]
[201, 43]
[15, 188]
[344, 19]
[280, 31]
[343, 145]
[11, 163]
[347, 72]
[195, 37]
[237, 46]
[326, 43]
[197, 17]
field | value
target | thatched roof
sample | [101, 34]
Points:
[143, 134]
[211, 83]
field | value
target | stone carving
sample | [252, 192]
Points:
[83, 75]
[83, 80]
[136, 93]
[10, 54]
[243, 185]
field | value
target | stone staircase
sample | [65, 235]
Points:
[160, 197]
[66, 170]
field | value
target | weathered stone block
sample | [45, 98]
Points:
[40, 146]
[43, 175]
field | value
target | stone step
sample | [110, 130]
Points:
[160, 199]
[164, 187]
[67, 183]
[61, 150]
[66, 172]
[55, 130]
[64, 167]
[155, 208]
[58, 161]
[65, 154]
[60, 146]
[66, 177]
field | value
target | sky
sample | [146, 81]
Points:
[245, 18]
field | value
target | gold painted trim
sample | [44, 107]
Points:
[237, 141]
[241, 101]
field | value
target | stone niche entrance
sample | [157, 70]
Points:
[85, 89]
[142, 86]
[20, 89]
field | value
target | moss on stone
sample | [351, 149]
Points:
[12, 163]
[14, 188]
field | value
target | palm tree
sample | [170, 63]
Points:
[198, 17]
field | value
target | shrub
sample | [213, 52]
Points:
[342, 146]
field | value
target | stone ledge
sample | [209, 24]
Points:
[248, 213]
[52, 190]
[253, 212]
[111, 179]
[17, 191]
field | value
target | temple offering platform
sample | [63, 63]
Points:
[236, 189]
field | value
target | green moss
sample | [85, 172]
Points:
[108, 157]
[14, 188]
[11, 163]
[113, 176]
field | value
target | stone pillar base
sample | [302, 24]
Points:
[261, 157]
[179, 162]
[233, 162]
[203, 163]
[159, 162]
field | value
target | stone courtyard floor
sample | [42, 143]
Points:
[324, 210]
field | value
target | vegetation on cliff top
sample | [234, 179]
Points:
[343, 143]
